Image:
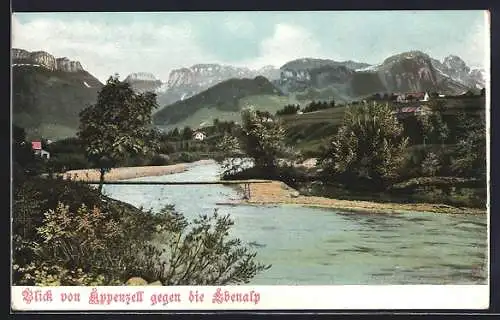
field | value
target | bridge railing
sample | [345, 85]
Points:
[177, 182]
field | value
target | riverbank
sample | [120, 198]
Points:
[278, 193]
[132, 172]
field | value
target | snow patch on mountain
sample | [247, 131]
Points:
[373, 68]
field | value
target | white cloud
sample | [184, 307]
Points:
[477, 45]
[474, 47]
[238, 26]
[287, 43]
[104, 49]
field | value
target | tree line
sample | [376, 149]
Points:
[371, 148]
[310, 107]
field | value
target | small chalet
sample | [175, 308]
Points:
[199, 135]
[412, 96]
[408, 111]
[36, 146]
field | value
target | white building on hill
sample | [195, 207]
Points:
[198, 135]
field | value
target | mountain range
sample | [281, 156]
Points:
[303, 80]
[346, 80]
[51, 91]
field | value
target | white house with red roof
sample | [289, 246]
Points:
[407, 111]
[36, 146]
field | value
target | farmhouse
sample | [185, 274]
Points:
[409, 111]
[36, 146]
[199, 135]
[412, 96]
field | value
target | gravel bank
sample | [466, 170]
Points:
[132, 172]
[276, 192]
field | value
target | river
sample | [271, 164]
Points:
[309, 246]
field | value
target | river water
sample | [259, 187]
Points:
[309, 246]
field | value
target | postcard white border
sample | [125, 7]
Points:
[402, 297]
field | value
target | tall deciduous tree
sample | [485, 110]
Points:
[434, 128]
[262, 139]
[368, 145]
[470, 152]
[187, 133]
[118, 125]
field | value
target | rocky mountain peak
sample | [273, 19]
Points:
[141, 76]
[206, 75]
[455, 67]
[143, 81]
[455, 63]
[45, 60]
[416, 55]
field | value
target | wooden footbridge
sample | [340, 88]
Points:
[245, 183]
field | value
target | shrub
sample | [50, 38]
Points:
[315, 106]
[158, 160]
[53, 275]
[187, 157]
[431, 164]
[368, 149]
[199, 253]
[85, 239]
[68, 161]
[290, 175]
[288, 109]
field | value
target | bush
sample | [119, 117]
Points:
[290, 175]
[87, 241]
[315, 106]
[158, 160]
[167, 147]
[83, 238]
[187, 157]
[431, 165]
[462, 197]
[369, 148]
[53, 275]
[288, 109]
[69, 146]
[62, 162]
[199, 253]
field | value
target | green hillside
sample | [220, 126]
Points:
[206, 116]
[47, 103]
[221, 99]
[310, 131]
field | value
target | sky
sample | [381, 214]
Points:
[158, 42]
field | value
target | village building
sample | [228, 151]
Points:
[412, 111]
[412, 96]
[199, 135]
[36, 146]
